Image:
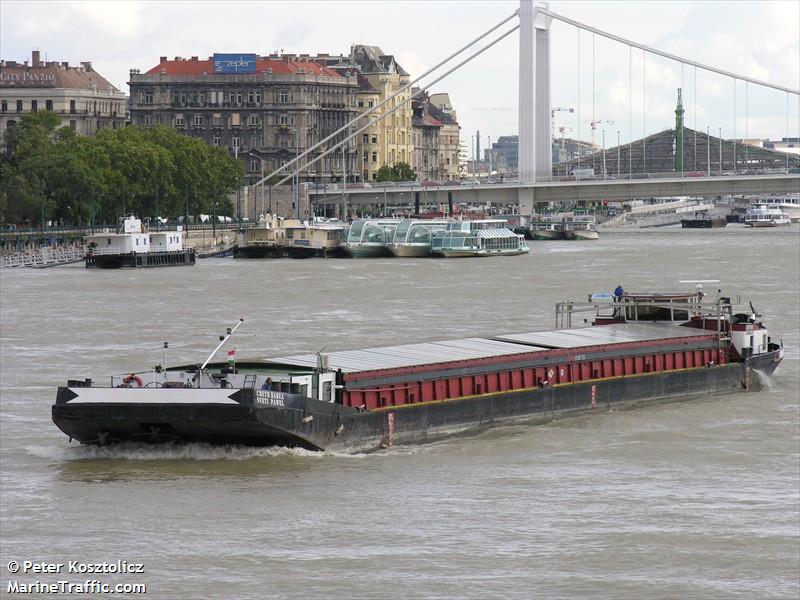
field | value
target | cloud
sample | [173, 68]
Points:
[759, 39]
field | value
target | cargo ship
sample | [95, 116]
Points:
[635, 348]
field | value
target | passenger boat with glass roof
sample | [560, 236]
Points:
[369, 237]
[643, 347]
[412, 238]
[484, 237]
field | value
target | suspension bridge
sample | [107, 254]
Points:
[653, 166]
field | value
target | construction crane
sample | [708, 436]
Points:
[594, 125]
[553, 112]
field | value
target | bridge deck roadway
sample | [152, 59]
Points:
[558, 191]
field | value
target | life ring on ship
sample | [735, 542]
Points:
[133, 378]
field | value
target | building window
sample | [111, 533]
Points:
[178, 120]
[4, 105]
[144, 98]
[374, 157]
[255, 140]
[365, 138]
[284, 120]
[19, 105]
[216, 120]
[253, 120]
[48, 104]
[216, 140]
[360, 104]
[370, 103]
[282, 97]
[148, 120]
[72, 107]
[366, 156]
[374, 138]
[235, 142]
[34, 105]
[254, 165]
[198, 120]
[235, 120]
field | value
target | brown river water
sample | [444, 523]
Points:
[696, 499]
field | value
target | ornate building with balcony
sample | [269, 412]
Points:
[81, 97]
[441, 109]
[263, 110]
[426, 139]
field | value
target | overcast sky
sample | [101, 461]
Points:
[756, 39]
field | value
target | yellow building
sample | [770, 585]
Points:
[390, 141]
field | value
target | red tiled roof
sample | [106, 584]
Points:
[200, 67]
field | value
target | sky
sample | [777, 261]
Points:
[756, 39]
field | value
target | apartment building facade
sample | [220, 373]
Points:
[264, 111]
[81, 97]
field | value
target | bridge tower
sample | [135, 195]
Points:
[535, 135]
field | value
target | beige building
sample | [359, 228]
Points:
[426, 139]
[81, 97]
[449, 136]
[390, 141]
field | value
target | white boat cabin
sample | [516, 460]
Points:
[132, 237]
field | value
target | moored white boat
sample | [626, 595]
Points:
[764, 215]
[580, 226]
[134, 246]
[789, 204]
[484, 237]
[546, 228]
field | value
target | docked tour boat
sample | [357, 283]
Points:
[412, 238]
[645, 347]
[366, 238]
[483, 237]
[764, 215]
[319, 238]
[276, 237]
[788, 203]
[546, 227]
[133, 246]
[580, 226]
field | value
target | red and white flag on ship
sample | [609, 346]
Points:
[231, 356]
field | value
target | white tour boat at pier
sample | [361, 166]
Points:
[484, 237]
[764, 215]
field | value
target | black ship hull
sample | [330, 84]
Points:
[175, 258]
[257, 252]
[703, 223]
[248, 417]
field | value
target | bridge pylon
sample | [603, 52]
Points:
[535, 134]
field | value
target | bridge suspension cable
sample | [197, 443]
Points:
[387, 100]
[674, 57]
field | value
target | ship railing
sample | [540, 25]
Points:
[679, 310]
